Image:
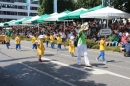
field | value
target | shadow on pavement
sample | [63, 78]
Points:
[35, 74]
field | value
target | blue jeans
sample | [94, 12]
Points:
[18, 46]
[52, 45]
[34, 46]
[114, 43]
[47, 43]
[102, 54]
[7, 44]
[58, 46]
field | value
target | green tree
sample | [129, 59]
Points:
[41, 7]
[87, 3]
[121, 5]
[46, 6]
[65, 5]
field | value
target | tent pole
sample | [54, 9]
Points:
[107, 23]
[82, 21]
[38, 26]
[64, 24]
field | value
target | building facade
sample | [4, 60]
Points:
[16, 9]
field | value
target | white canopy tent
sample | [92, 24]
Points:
[1, 24]
[106, 13]
[30, 20]
[55, 17]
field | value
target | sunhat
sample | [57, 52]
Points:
[71, 37]
[41, 36]
[85, 26]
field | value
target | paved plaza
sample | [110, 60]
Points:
[60, 69]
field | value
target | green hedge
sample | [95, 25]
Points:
[108, 48]
[90, 44]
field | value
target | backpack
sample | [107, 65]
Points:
[76, 39]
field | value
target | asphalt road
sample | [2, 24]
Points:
[60, 69]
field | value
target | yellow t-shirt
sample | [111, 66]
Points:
[46, 38]
[34, 40]
[59, 40]
[7, 39]
[102, 45]
[17, 40]
[52, 39]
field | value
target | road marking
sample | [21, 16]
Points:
[48, 75]
[90, 60]
[81, 58]
[95, 71]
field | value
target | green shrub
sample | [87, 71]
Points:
[13, 37]
[90, 43]
[113, 48]
[95, 46]
[108, 48]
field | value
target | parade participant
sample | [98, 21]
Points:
[82, 44]
[47, 39]
[102, 48]
[34, 38]
[40, 47]
[52, 39]
[59, 42]
[17, 42]
[71, 46]
[7, 41]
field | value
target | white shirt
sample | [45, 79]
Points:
[127, 33]
[63, 35]
[120, 33]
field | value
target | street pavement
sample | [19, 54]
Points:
[60, 69]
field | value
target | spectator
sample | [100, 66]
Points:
[115, 41]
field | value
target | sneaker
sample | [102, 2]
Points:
[105, 61]
[40, 60]
[88, 65]
[97, 59]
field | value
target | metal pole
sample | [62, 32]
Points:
[17, 11]
[55, 6]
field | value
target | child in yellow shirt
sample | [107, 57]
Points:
[71, 46]
[47, 39]
[52, 39]
[7, 41]
[34, 38]
[102, 50]
[59, 42]
[17, 42]
[40, 47]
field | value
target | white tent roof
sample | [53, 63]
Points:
[1, 24]
[78, 10]
[55, 17]
[30, 20]
[53, 14]
[106, 13]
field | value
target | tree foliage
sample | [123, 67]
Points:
[46, 6]
[87, 3]
[121, 5]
